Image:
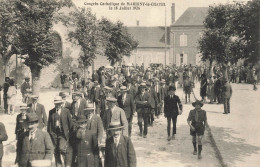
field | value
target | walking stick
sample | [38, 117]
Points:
[194, 94]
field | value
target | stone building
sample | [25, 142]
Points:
[185, 33]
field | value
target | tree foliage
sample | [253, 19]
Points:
[86, 34]
[119, 42]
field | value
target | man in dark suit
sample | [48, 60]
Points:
[153, 102]
[36, 144]
[226, 95]
[142, 109]
[131, 88]
[25, 87]
[172, 108]
[126, 102]
[95, 126]
[39, 109]
[65, 104]
[3, 137]
[119, 148]
[158, 92]
[5, 90]
[78, 105]
[95, 96]
[62, 79]
[59, 126]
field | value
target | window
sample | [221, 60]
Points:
[183, 40]
[181, 58]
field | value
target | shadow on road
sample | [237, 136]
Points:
[232, 149]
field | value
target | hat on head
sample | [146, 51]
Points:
[32, 117]
[163, 81]
[62, 94]
[34, 96]
[143, 85]
[115, 126]
[148, 84]
[57, 100]
[23, 106]
[89, 106]
[123, 88]
[26, 78]
[197, 102]
[81, 119]
[107, 88]
[95, 81]
[77, 93]
[172, 88]
[111, 99]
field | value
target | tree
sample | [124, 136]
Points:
[87, 35]
[119, 42]
[36, 40]
[218, 41]
[8, 32]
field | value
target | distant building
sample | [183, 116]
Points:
[185, 33]
[151, 47]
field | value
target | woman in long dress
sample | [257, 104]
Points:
[11, 97]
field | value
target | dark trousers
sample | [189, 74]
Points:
[62, 86]
[86, 161]
[62, 148]
[174, 122]
[143, 117]
[5, 104]
[227, 105]
[129, 120]
[151, 116]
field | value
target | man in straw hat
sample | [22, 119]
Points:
[126, 102]
[59, 126]
[36, 144]
[197, 121]
[95, 125]
[21, 127]
[119, 148]
[39, 109]
[87, 144]
[114, 113]
[142, 109]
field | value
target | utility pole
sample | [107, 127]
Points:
[165, 40]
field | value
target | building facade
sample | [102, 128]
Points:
[185, 33]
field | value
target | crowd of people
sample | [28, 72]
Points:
[98, 123]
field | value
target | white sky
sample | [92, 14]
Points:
[147, 16]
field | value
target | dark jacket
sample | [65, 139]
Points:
[95, 125]
[172, 105]
[3, 137]
[41, 114]
[21, 125]
[82, 106]
[64, 119]
[142, 107]
[226, 91]
[25, 86]
[41, 148]
[123, 155]
[128, 106]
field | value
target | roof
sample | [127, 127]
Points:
[193, 16]
[149, 36]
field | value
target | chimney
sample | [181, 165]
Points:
[173, 12]
[137, 22]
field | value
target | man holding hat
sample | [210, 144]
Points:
[59, 126]
[142, 109]
[126, 102]
[114, 113]
[25, 87]
[20, 128]
[36, 144]
[86, 145]
[172, 108]
[197, 121]
[119, 149]
[39, 109]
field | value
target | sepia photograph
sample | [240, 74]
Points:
[129, 83]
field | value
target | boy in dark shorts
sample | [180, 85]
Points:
[197, 121]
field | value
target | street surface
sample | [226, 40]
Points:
[236, 135]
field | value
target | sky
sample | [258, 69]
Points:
[146, 15]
